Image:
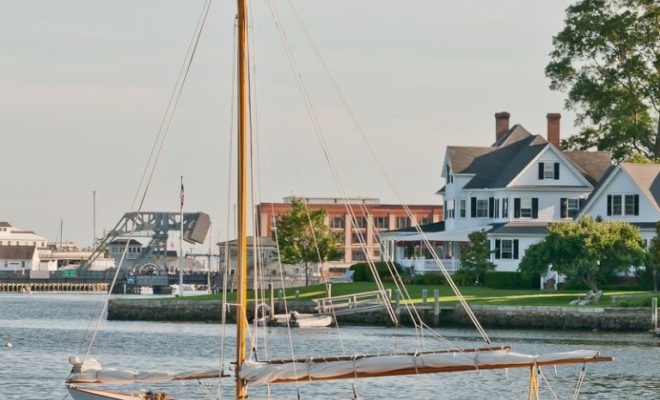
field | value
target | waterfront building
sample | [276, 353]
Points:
[13, 236]
[629, 193]
[140, 257]
[18, 258]
[372, 218]
[511, 189]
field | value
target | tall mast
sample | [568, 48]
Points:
[241, 267]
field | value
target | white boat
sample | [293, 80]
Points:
[252, 372]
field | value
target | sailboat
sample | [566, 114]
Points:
[89, 372]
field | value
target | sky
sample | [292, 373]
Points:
[84, 86]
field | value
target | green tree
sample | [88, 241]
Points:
[304, 238]
[607, 58]
[586, 251]
[475, 258]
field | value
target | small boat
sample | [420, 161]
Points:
[310, 320]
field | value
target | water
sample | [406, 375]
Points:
[46, 329]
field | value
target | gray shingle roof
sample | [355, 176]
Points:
[17, 252]
[496, 166]
[520, 228]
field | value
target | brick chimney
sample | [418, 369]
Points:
[501, 124]
[553, 128]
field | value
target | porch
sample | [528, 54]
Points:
[423, 265]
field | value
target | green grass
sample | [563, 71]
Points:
[472, 294]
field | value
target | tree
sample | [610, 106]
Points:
[475, 258]
[304, 238]
[586, 251]
[608, 59]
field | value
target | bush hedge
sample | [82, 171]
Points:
[510, 280]
[363, 272]
[428, 278]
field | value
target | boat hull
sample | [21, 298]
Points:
[78, 393]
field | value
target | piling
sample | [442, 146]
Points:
[436, 307]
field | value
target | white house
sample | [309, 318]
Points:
[629, 193]
[19, 258]
[512, 189]
[13, 236]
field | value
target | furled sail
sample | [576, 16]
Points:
[406, 364]
[91, 371]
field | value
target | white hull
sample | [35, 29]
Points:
[78, 393]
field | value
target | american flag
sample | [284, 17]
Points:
[182, 193]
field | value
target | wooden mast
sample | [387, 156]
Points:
[241, 268]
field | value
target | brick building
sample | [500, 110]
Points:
[383, 217]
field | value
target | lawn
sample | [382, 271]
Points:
[474, 295]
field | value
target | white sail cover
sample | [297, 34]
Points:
[91, 371]
[264, 373]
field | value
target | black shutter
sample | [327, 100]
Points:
[563, 207]
[515, 249]
[582, 203]
[556, 170]
[473, 207]
[491, 207]
[445, 209]
[636, 203]
[535, 207]
[497, 249]
[516, 207]
[609, 204]
[541, 170]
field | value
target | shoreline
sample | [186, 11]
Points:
[501, 317]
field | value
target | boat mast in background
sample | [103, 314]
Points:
[241, 267]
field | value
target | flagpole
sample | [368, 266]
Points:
[181, 259]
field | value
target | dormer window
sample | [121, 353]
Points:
[548, 170]
[450, 178]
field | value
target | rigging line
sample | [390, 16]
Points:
[168, 109]
[365, 139]
[286, 306]
[580, 381]
[547, 383]
[225, 277]
[179, 90]
[308, 103]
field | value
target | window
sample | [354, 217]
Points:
[337, 223]
[629, 207]
[358, 255]
[548, 171]
[616, 205]
[572, 207]
[505, 208]
[360, 222]
[450, 208]
[381, 222]
[525, 208]
[506, 249]
[619, 204]
[402, 222]
[462, 203]
[482, 208]
[355, 238]
[426, 220]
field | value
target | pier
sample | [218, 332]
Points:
[28, 287]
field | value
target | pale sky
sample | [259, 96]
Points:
[84, 85]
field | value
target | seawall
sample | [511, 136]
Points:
[509, 317]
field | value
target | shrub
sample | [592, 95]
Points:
[428, 278]
[511, 280]
[363, 272]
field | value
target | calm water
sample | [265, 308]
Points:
[46, 329]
